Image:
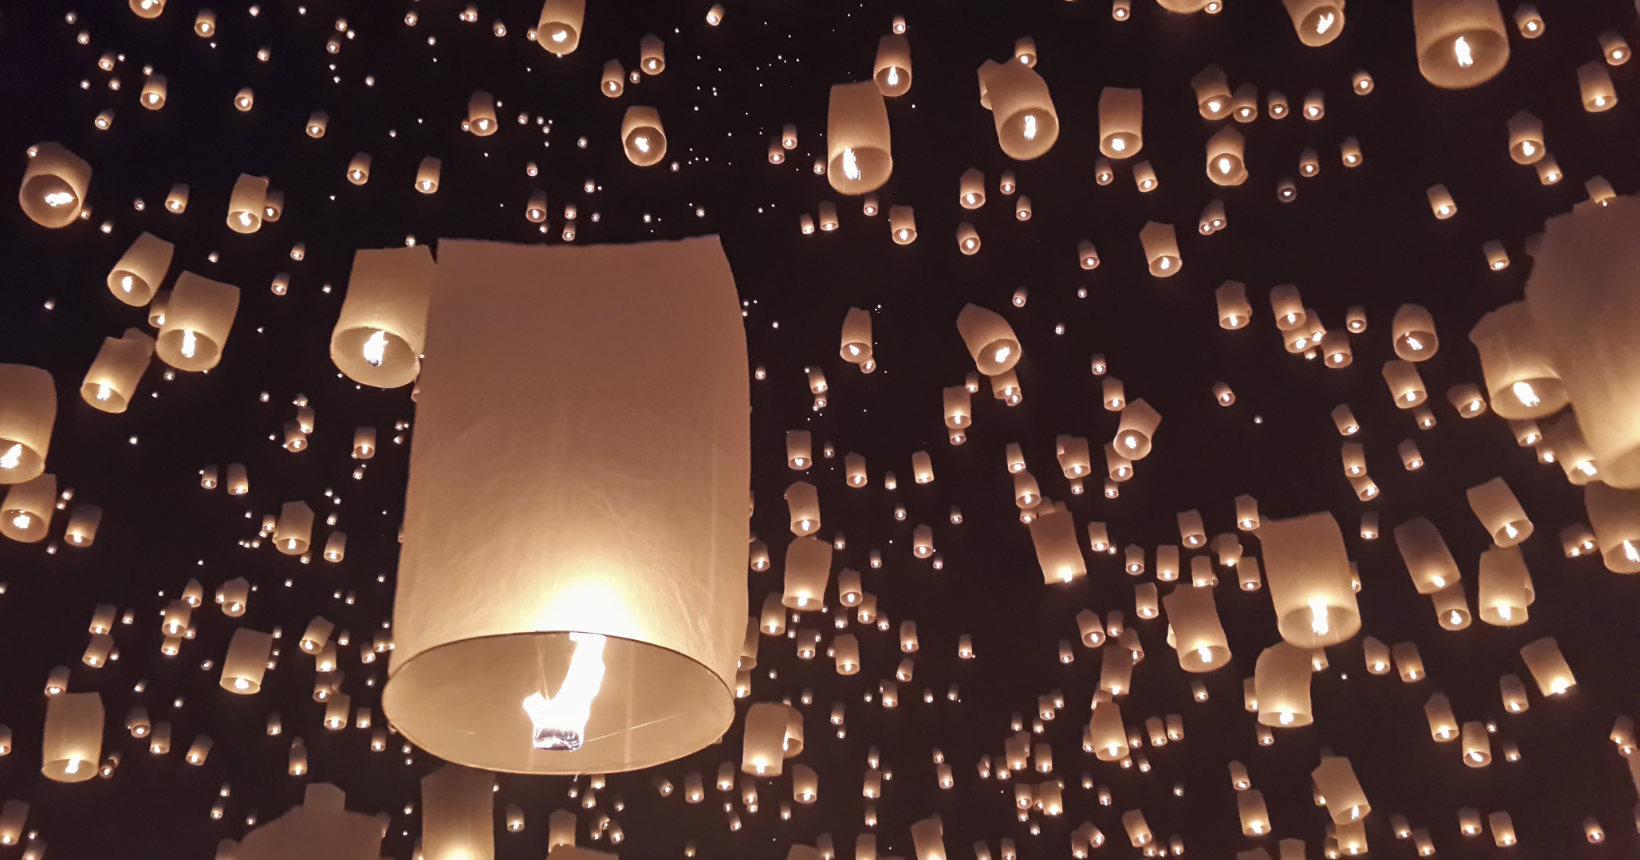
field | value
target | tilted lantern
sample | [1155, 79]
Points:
[28, 410]
[54, 185]
[1026, 122]
[1500, 512]
[1594, 83]
[570, 605]
[198, 318]
[1053, 533]
[990, 340]
[381, 330]
[1225, 152]
[137, 275]
[112, 380]
[558, 30]
[1137, 430]
[1199, 636]
[1519, 374]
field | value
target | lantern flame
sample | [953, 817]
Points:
[1030, 126]
[560, 721]
[1318, 617]
[59, 198]
[1324, 23]
[851, 164]
[189, 343]
[1465, 55]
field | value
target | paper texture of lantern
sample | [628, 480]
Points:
[458, 814]
[1579, 295]
[55, 183]
[808, 570]
[1614, 515]
[481, 119]
[471, 649]
[1027, 124]
[1425, 553]
[71, 742]
[1161, 247]
[1317, 22]
[990, 340]
[1199, 636]
[1505, 587]
[28, 410]
[1335, 780]
[558, 30]
[1121, 122]
[112, 380]
[1136, 431]
[902, 224]
[803, 506]
[773, 733]
[651, 54]
[1594, 83]
[642, 136]
[1281, 680]
[1225, 151]
[1212, 93]
[1500, 512]
[1308, 573]
[892, 68]
[381, 330]
[137, 275]
[198, 318]
[1406, 386]
[1460, 43]
[1548, 666]
[25, 514]
[247, 203]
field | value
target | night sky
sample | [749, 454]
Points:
[1361, 236]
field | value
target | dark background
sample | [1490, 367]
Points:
[1354, 237]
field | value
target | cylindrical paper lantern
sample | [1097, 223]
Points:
[902, 224]
[1199, 636]
[1234, 309]
[651, 54]
[1317, 22]
[1121, 122]
[990, 340]
[54, 185]
[137, 275]
[1594, 82]
[28, 410]
[1505, 587]
[559, 28]
[1282, 680]
[1137, 430]
[1548, 666]
[71, 743]
[892, 69]
[481, 119]
[112, 380]
[198, 318]
[1460, 43]
[381, 331]
[642, 136]
[1026, 122]
[1500, 512]
[1212, 93]
[457, 813]
[1519, 374]
[1161, 248]
[1225, 151]
[1308, 573]
[1614, 515]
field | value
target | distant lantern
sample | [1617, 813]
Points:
[71, 742]
[246, 661]
[176, 202]
[1086, 255]
[1027, 124]
[1315, 105]
[651, 54]
[153, 92]
[968, 241]
[1580, 295]
[1335, 349]
[1548, 666]
[481, 119]
[613, 81]
[1615, 47]
[1528, 21]
[198, 319]
[1199, 635]
[1144, 177]
[559, 28]
[247, 203]
[892, 69]
[799, 449]
[1349, 152]
[1308, 573]
[1161, 247]
[990, 340]
[1497, 258]
[642, 136]
[1594, 82]
[902, 224]
[1361, 83]
[1460, 43]
[1212, 93]
[1441, 202]
[637, 675]
[1234, 309]
[1121, 122]
[1500, 512]
[427, 175]
[1600, 191]
[111, 382]
[1225, 151]
[1288, 307]
[54, 185]
[1213, 218]
[1526, 138]
[149, 9]
[1317, 22]
[773, 733]
[317, 122]
[381, 330]
[358, 169]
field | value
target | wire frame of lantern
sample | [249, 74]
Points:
[558, 30]
[1121, 122]
[642, 137]
[55, 183]
[892, 68]
[1026, 123]
[1460, 43]
[1317, 22]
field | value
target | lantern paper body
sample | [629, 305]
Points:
[1199, 635]
[648, 471]
[54, 186]
[1461, 43]
[457, 814]
[1317, 22]
[246, 661]
[137, 275]
[28, 410]
[320, 829]
[1054, 535]
[1308, 573]
[990, 340]
[1161, 247]
[1499, 511]
[25, 512]
[808, 570]
[1026, 122]
[1282, 681]
[1615, 517]
[1335, 779]
[1581, 297]
[559, 27]
[72, 743]
[1121, 122]
[1548, 667]
[858, 152]
[1505, 587]
[1520, 378]
[198, 318]
[112, 380]
[892, 69]
[642, 136]
[381, 331]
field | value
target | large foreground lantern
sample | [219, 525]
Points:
[858, 153]
[578, 605]
[380, 333]
[1581, 295]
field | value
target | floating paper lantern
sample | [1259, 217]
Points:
[481, 119]
[990, 340]
[1053, 533]
[1548, 666]
[1144, 177]
[1234, 309]
[1137, 430]
[458, 813]
[1213, 218]
[247, 204]
[1526, 138]
[1500, 512]
[559, 28]
[1335, 780]
[71, 742]
[773, 733]
[642, 136]
[1614, 515]
[54, 185]
[1594, 83]
[1519, 375]
[892, 69]
[803, 505]
[198, 317]
[154, 89]
[427, 174]
[1308, 573]
[380, 333]
[651, 54]
[1505, 587]
[1199, 636]
[294, 532]
[1317, 22]
[358, 169]
[1440, 202]
[1121, 122]
[1161, 248]
[28, 409]
[1225, 151]
[112, 380]
[1026, 122]
[1282, 682]
[902, 225]
[1315, 105]
[1460, 43]
[25, 513]
[1212, 93]
[1406, 386]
